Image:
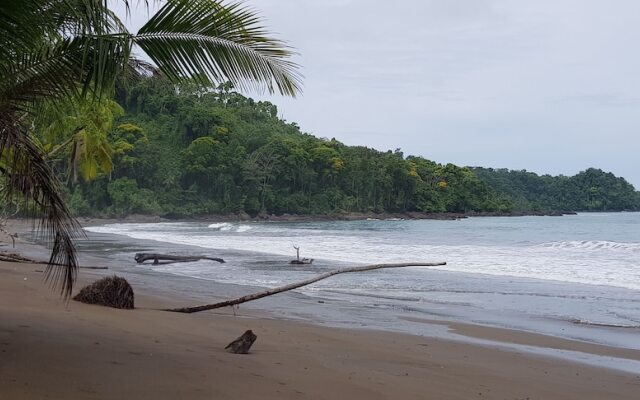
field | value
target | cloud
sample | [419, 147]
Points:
[607, 99]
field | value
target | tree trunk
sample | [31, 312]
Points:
[142, 257]
[296, 285]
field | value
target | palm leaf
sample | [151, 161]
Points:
[25, 168]
[211, 42]
[59, 48]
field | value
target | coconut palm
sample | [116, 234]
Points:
[87, 148]
[54, 51]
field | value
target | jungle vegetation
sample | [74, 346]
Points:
[180, 151]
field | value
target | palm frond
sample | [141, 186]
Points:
[58, 48]
[214, 42]
[48, 72]
[25, 168]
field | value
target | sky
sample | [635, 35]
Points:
[550, 86]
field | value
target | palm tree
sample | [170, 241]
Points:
[88, 145]
[54, 51]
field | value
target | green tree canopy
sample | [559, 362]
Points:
[218, 152]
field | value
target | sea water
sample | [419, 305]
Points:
[518, 272]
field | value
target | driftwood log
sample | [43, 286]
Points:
[169, 258]
[302, 261]
[298, 260]
[296, 285]
[15, 257]
[242, 344]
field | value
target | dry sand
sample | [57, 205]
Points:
[56, 350]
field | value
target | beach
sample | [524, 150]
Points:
[315, 345]
[421, 200]
[55, 349]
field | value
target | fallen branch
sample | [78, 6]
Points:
[296, 285]
[15, 257]
[142, 257]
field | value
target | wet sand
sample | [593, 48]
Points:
[58, 350]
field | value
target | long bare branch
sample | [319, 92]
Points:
[295, 285]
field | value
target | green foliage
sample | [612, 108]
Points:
[127, 198]
[590, 190]
[190, 152]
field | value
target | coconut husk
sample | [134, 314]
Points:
[111, 291]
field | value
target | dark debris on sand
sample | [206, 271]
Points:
[111, 291]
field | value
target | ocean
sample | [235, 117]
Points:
[575, 276]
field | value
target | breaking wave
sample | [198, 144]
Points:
[229, 227]
[597, 245]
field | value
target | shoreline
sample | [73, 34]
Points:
[386, 216]
[110, 244]
[302, 305]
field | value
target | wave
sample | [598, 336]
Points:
[227, 227]
[222, 226]
[593, 245]
[579, 321]
[592, 262]
[377, 295]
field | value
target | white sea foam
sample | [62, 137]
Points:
[221, 226]
[593, 262]
[596, 245]
[226, 226]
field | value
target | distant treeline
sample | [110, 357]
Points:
[590, 190]
[181, 152]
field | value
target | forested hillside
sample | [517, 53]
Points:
[180, 152]
[590, 190]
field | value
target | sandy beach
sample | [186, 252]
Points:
[54, 349]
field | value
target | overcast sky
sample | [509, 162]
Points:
[551, 86]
